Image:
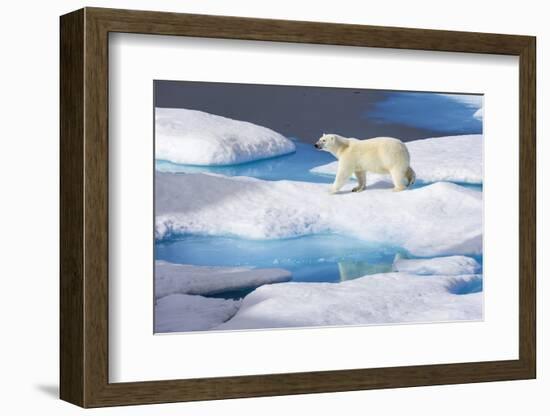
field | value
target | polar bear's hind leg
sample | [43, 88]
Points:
[362, 181]
[411, 177]
[399, 178]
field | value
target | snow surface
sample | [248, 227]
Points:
[198, 138]
[189, 279]
[450, 158]
[377, 299]
[451, 265]
[178, 312]
[439, 219]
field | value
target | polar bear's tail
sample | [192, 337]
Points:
[411, 176]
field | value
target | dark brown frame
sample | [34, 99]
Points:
[84, 207]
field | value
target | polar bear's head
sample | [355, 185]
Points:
[329, 142]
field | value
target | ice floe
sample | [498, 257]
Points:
[478, 114]
[189, 279]
[472, 101]
[450, 265]
[439, 219]
[377, 299]
[199, 138]
[179, 312]
[450, 158]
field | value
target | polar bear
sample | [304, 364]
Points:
[377, 155]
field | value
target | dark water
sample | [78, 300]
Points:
[308, 112]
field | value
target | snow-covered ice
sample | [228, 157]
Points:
[189, 279]
[442, 220]
[377, 299]
[439, 219]
[198, 138]
[178, 312]
[450, 158]
[450, 265]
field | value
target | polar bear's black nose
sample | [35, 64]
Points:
[317, 146]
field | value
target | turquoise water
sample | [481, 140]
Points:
[294, 166]
[311, 258]
[330, 258]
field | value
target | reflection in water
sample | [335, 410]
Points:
[312, 258]
[353, 270]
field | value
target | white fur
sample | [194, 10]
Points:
[377, 155]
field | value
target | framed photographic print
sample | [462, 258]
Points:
[256, 207]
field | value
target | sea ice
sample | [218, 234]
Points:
[479, 114]
[198, 138]
[450, 265]
[472, 101]
[178, 312]
[450, 158]
[439, 219]
[377, 299]
[189, 279]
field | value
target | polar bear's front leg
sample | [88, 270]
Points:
[342, 176]
[362, 181]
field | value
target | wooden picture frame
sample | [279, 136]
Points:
[84, 207]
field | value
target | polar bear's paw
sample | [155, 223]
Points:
[358, 189]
